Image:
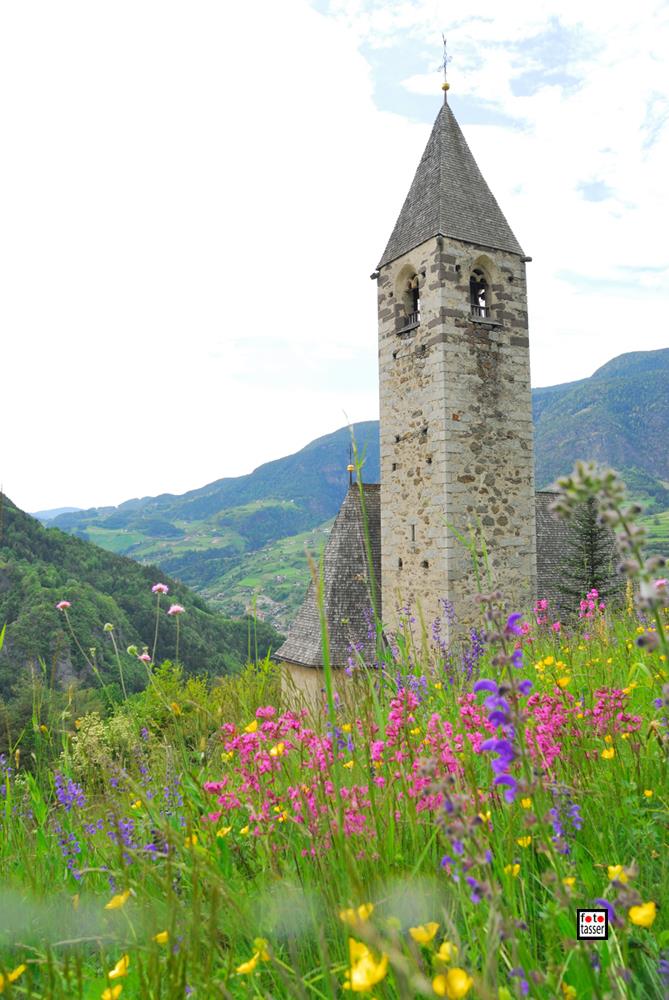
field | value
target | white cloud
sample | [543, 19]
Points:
[195, 196]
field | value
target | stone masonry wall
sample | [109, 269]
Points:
[456, 431]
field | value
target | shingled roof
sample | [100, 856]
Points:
[449, 197]
[347, 590]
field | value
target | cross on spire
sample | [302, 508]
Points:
[445, 85]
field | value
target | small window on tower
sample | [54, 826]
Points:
[411, 300]
[479, 293]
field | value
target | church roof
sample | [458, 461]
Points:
[347, 588]
[449, 197]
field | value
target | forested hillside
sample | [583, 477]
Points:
[40, 567]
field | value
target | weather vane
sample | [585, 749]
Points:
[445, 85]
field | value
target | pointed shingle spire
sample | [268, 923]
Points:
[449, 197]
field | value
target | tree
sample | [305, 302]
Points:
[589, 562]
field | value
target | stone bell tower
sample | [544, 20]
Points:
[455, 403]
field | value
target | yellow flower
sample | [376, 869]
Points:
[349, 764]
[43, 729]
[252, 727]
[137, 804]
[191, 841]
[118, 901]
[162, 937]
[453, 984]
[526, 803]
[608, 754]
[424, 933]
[438, 686]
[644, 915]
[568, 992]
[346, 728]
[616, 872]
[549, 661]
[175, 708]
[112, 992]
[512, 870]
[608, 738]
[246, 967]
[278, 750]
[227, 755]
[354, 916]
[569, 881]
[365, 971]
[485, 817]
[415, 731]
[564, 681]
[120, 969]
[12, 976]
[524, 841]
[77, 723]
[648, 792]
[447, 952]
[244, 830]
[224, 831]
[640, 630]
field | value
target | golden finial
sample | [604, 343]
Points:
[350, 469]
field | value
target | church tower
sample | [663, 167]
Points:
[455, 403]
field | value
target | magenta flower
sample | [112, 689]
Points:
[144, 657]
[63, 605]
[176, 609]
[160, 588]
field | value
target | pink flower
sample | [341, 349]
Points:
[63, 605]
[159, 588]
[144, 657]
[176, 609]
[556, 626]
[660, 583]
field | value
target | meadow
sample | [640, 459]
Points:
[429, 830]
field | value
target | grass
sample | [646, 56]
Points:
[218, 841]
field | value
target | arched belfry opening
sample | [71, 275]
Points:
[409, 295]
[479, 293]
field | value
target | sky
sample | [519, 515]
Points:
[194, 195]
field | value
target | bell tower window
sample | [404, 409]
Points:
[479, 294]
[411, 303]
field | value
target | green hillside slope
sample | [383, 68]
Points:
[40, 566]
[236, 537]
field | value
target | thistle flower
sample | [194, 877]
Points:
[160, 588]
[63, 605]
[175, 609]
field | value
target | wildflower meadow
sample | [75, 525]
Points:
[429, 829]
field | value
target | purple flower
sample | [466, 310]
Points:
[517, 658]
[512, 789]
[525, 687]
[512, 626]
[68, 793]
[485, 685]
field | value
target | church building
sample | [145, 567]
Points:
[456, 432]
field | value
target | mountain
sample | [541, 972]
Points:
[48, 515]
[618, 416]
[209, 533]
[243, 536]
[40, 566]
